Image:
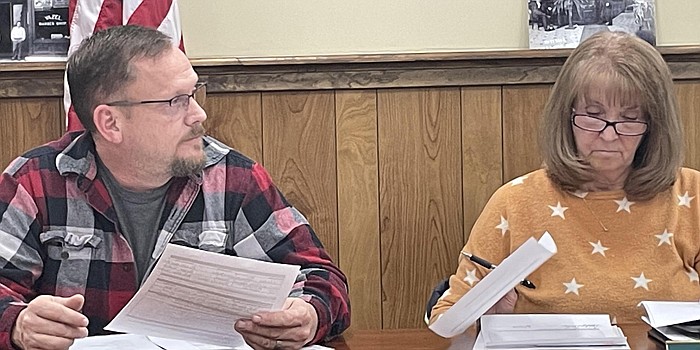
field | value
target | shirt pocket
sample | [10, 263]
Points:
[209, 240]
[64, 245]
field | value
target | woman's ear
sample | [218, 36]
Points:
[107, 122]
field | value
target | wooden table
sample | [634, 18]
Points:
[424, 339]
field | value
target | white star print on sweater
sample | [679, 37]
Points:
[647, 253]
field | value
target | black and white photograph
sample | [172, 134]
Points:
[555, 24]
[34, 30]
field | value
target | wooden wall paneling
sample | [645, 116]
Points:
[522, 115]
[688, 93]
[358, 203]
[299, 151]
[420, 197]
[236, 120]
[62, 116]
[26, 123]
[482, 149]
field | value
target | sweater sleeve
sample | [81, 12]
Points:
[489, 240]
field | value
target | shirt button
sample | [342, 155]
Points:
[126, 268]
[64, 255]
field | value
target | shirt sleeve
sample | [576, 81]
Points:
[19, 254]
[320, 281]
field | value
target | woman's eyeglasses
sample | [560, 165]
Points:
[622, 127]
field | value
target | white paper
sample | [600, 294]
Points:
[115, 342]
[513, 269]
[197, 296]
[667, 313]
[141, 342]
[172, 344]
[479, 345]
[551, 330]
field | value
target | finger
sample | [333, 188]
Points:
[298, 334]
[37, 324]
[288, 345]
[293, 314]
[54, 309]
[47, 342]
[260, 342]
[74, 302]
[512, 297]
[257, 341]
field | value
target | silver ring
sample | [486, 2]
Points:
[278, 344]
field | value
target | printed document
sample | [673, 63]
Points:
[551, 331]
[197, 296]
[513, 269]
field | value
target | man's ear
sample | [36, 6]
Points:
[107, 121]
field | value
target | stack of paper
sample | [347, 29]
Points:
[551, 331]
[522, 262]
[673, 321]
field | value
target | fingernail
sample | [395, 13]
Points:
[257, 318]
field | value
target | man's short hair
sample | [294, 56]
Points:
[102, 66]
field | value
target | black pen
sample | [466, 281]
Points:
[527, 283]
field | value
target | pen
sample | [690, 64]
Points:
[527, 283]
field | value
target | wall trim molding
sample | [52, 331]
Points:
[477, 68]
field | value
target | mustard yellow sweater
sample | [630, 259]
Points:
[612, 252]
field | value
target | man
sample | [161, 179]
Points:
[538, 16]
[83, 219]
[18, 35]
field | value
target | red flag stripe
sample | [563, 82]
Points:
[71, 10]
[150, 13]
[110, 15]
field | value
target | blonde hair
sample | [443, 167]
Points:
[632, 68]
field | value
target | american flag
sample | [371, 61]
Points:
[88, 16]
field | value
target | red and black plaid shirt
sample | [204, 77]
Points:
[59, 232]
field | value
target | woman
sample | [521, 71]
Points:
[624, 214]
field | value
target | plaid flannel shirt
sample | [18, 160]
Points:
[59, 232]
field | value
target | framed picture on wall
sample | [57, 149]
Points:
[554, 24]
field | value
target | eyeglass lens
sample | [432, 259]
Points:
[183, 101]
[621, 127]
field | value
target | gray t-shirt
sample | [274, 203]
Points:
[139, 217]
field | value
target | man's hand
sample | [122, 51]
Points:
[50, 323]
[290, 328]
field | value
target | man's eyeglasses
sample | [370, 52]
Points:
[181, 102]
[595, 124]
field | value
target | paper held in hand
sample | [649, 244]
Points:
[513, 269]
[197, 296]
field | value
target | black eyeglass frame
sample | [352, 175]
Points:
[170, 101]
[609, 123]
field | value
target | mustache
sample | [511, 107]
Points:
[197, 130]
